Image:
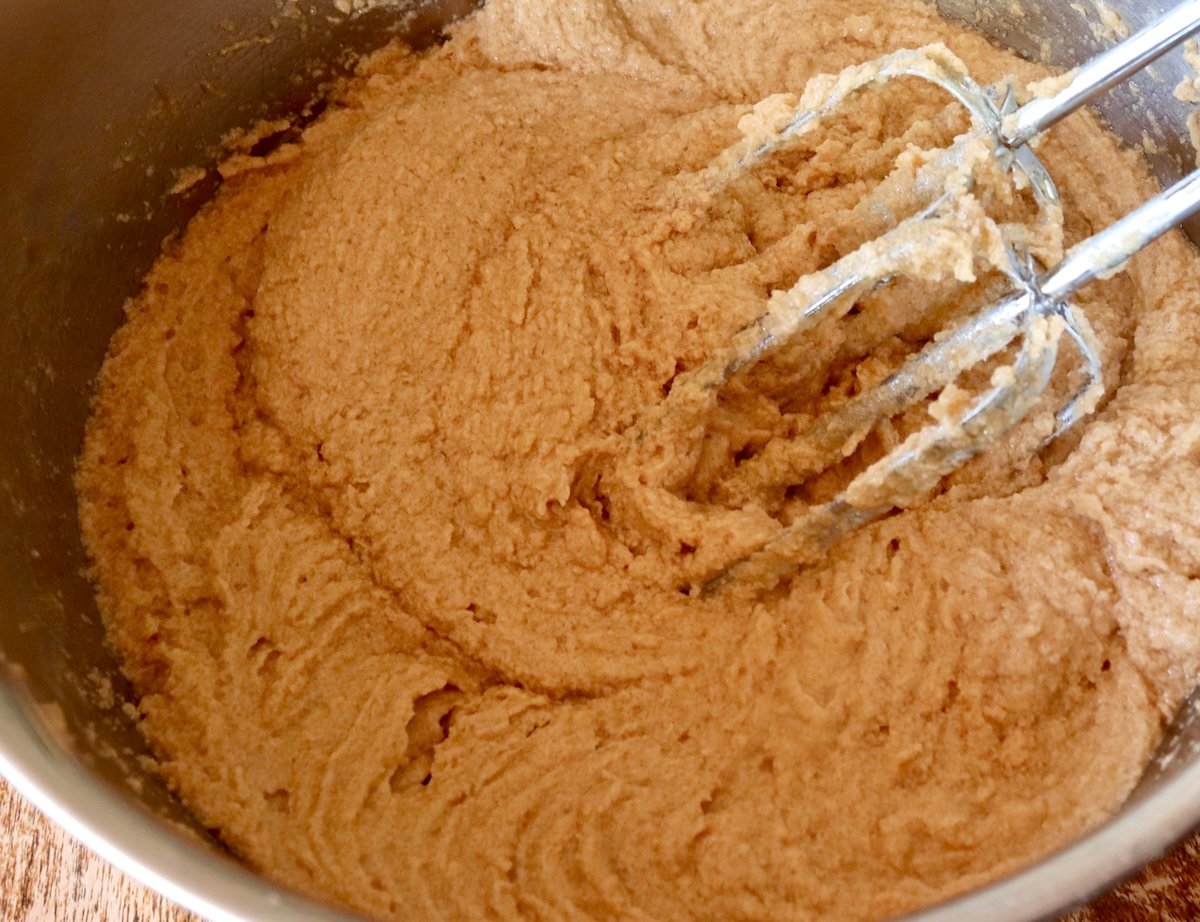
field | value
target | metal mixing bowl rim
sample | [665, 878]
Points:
[124, 833]
[217, 888]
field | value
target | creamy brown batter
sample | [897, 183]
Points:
[345, 489]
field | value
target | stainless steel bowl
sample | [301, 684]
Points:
[103, 101]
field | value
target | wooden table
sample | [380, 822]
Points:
[45, 876]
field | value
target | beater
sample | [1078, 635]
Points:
[1032, 319]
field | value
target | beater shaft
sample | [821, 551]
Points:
[1102, 73]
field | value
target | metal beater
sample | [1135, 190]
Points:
[1035, 316]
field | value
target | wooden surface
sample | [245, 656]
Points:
[46, 877]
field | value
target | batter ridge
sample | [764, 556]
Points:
[344, 488]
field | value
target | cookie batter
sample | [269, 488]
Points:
[347, 491]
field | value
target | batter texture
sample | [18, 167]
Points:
[404, 639]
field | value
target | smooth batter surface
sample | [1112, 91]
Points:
[399, 644]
